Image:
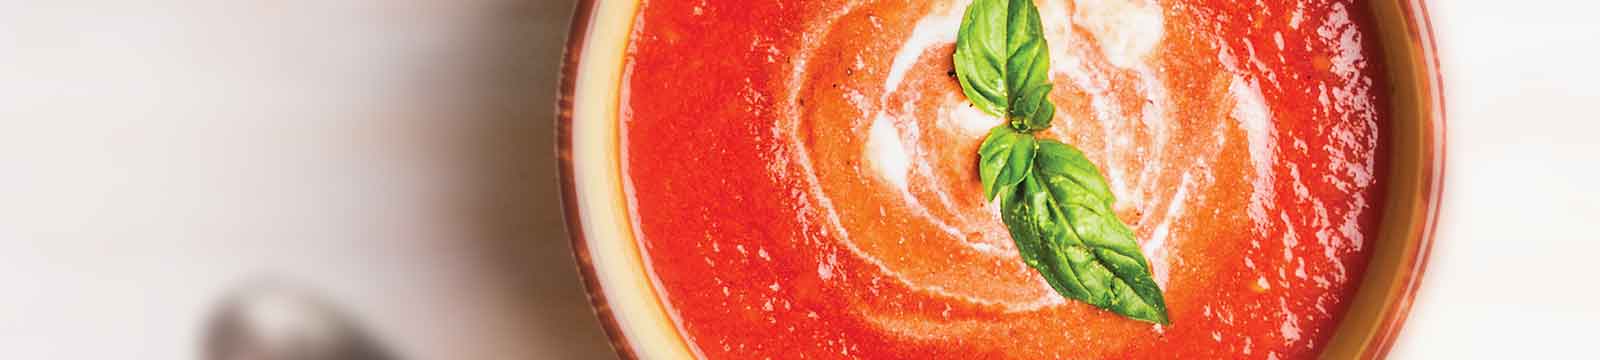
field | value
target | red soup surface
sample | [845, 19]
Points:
[803, 175]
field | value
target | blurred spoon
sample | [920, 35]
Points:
[275, 322]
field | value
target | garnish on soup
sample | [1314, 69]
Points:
[1053, 200]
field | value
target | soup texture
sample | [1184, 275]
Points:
[803, 175]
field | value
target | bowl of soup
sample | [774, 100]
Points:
[797, 179]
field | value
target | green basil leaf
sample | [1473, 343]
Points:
[981, 55]
[1061, 218]
[1005, 157]
[1003, 63]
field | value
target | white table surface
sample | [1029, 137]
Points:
[1511, 272]
[395, 154]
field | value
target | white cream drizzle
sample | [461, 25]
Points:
[1250, 110]
[937, 28]
[1126, 30]
[1124, 33]
[887, 153]
[969, 119]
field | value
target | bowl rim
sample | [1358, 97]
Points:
[1425, 79]
[1396, 302]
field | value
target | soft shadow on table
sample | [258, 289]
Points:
[521, 213]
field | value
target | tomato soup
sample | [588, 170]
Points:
[803, 176]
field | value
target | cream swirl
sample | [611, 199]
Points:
[921, 133]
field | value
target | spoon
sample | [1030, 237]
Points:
[276, 322]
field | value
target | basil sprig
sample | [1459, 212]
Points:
[1053, 200]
